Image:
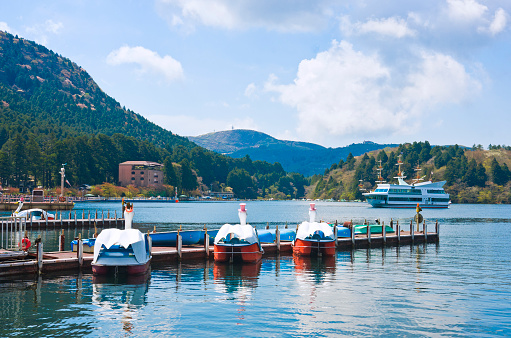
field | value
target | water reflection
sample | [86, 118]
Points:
[238, 281]
[236, 277]
[120, 297]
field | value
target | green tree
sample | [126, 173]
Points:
[188, 179]
[241, 183]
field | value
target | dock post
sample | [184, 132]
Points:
[277, 238]
[76, 220]
[20, 229]
[335, 234]
[369, 234]
[61, 241]
[206, 243]
[392, 223]
[89, 217]
[398, 233]
[79, 251]
[411, 231]
[352, 236]
[83, 213]
[437, 229]
[39, 255]
[384, 232]
[179, 245]
[425, 227]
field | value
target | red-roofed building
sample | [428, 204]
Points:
[141, 174]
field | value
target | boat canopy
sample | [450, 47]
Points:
[306, 229]
[123, 238]
[243, 232]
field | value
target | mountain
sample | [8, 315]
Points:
[301, 157]
[42, 92]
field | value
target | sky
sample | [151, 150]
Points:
[325, 71]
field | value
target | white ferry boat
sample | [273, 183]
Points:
[403, 195]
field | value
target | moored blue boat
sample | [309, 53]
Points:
[189, 237]
[375, 229]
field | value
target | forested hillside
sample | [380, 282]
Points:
[52, 112]
[42, 91]
[472, 175]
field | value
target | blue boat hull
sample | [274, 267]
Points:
[189, 237]
[268, 235]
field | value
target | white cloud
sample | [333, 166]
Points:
[148, 61]
[466, 10]
[499, 22]
[193, 126]
[342, 92]
[53, 27]
[394, 27]
[5, 27]
[286, 15]
[250, 91]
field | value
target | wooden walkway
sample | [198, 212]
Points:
[70, 261]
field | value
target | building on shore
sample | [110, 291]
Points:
[141, 174]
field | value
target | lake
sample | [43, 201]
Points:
[458, 287]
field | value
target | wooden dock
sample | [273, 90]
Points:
[46, 262]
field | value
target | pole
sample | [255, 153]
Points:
[398, 233]
[335, 234]
[384, 232]
[352, 236]
[411, 231]
[179, 245]
[39, 256]
[369, 234]
[80, 250]
[61, 241]
[425, 227]
[277, 238]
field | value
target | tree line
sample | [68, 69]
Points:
[35, 160]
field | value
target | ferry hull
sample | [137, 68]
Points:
[314, 247]
[409, 206]
[237, 253]
[99, 269]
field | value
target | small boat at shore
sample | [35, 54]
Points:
[313, 237]
[126, 250]
[238, 242]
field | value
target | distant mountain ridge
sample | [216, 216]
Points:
[302, 157]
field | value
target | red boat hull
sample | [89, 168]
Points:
[127, 269]
[244, 253]
[308, 248]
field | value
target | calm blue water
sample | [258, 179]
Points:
[459, 287]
